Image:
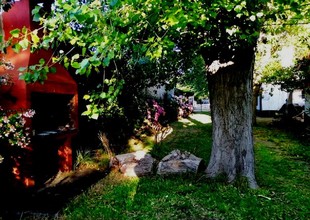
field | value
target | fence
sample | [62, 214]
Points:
[201, 107]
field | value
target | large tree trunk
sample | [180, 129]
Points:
[231, 111]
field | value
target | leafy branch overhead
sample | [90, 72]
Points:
[282, 57]
[108, 30]
[91, 36]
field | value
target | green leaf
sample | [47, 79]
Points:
[15, 33]
[75, 65]
[96, 63]
[74, 40]
[75, 56]
[53, 69]
[94, 116]
[81, 71]
[158, 52]
[238, 8]
[47, 41]
[213, 14]
[86, 97]
[106, 62]
[67, 7]
[32, 67]
[36, 17]
[24, 43]
[22, 69]
[36, 10]
[24, 30]
[103, 95]
[111, 89]
[86, 113]
[113, 2]
[172, 20]
[42, 61]
[84, 64]
[34, 37]
[16, 48]
[83, 51]
[111, 55]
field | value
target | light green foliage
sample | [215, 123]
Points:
[110, 105]
[37, 72]
[280, 55]
[194, 78]
[95, 35]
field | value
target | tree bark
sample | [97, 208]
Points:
[307, 107]
[231, 111]
[256, 93]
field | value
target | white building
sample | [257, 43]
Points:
[273, 98]
[159, 91]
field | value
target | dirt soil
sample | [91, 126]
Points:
[48, 201]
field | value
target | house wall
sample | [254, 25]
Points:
[17, 17]
[31, 166]
[159, 91]
[273, 98]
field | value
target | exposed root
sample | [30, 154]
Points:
[252, 183]
[232, 178]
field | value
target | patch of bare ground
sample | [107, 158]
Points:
[264, 120]
[48, 201]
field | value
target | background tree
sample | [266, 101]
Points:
[280, 58]
[224, 33]
[194, 78]
[280, 50]
[280, 47]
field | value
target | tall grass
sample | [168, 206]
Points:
[282, 170]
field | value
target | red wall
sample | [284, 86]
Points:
[17, 17]
[19, 94]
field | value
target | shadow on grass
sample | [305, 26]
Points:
[49, 200]
[196, 197]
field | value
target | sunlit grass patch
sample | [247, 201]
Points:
[283, 178]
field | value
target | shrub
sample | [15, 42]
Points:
[13, 128]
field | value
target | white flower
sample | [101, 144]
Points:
[29, 114]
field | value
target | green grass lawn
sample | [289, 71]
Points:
[282, 169]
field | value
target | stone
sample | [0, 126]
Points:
[178, 162]
[138, 163]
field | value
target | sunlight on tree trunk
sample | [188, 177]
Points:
[231, 111]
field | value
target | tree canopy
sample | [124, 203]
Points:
[140, 32]
[282, 57]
